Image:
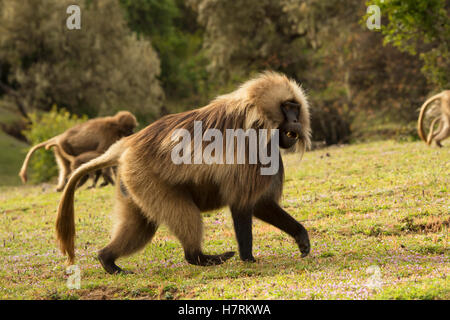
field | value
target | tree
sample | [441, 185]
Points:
[344, 66]
[96, 70]
[421, 27]
[243, 37]
[177, 37]
[250, 34]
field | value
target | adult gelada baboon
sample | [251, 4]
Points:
[441, 116]
[93, 135]
[152, 189]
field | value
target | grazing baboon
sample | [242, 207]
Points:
[152, 189]
[93, 135]
[441, 116]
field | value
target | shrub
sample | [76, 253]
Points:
[43, 127]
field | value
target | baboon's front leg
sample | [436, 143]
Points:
[269, 211]
[443, 134]
[242, 220]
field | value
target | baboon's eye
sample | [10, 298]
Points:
[291, 111]
[292, 104]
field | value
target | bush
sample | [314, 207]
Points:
[43, 127]
[329, 125]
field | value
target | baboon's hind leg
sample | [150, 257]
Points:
[431, 133]
[132, 231]
[107, 177]
[442, 134]
[95, 178]
[64, 170]
[184, 220]
[83, 180]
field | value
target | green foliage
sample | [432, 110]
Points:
[10, 159]
[43, 127]
[96, 70]
[178, 39]
[129, 51]
[251, 35]
[150, 17]
[420, 27]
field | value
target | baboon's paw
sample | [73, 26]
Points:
[109, 265]
[249, 259]
[303, 244]
[209, 260]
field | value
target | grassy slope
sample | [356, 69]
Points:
[384, 203]
[12, 155]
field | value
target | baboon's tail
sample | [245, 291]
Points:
[23, 170]
[423, 110]
[65, 220]
[60, 150]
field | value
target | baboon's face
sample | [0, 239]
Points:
[128, 131]
[128, 123]
[290, 129]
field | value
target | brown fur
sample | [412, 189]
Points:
[93, 135]
[443, 117]
[77, 161]
[153, 190]
[106, 173]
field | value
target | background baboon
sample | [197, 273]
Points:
[93, 135]
[439, 114]
[153, 190]
[76, 162]
[106, 173]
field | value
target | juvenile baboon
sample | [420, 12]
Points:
[106, 173]
[152, 189]
[93, 135]
[441, 116]
[77, 161]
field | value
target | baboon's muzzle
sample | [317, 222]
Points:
[290, 129]
[290, 133]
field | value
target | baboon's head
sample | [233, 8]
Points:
[127, 122]
[283, 105]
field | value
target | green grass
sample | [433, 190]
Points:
[382, 203]
[11, 158]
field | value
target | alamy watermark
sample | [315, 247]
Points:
[73, 22]
[374, 282]
[373, 21]
[259, 149]
[74, 280]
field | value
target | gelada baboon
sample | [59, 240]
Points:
[152, 189]
[93, 135]
[440, 115]
[106, 173]
[77, 161]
